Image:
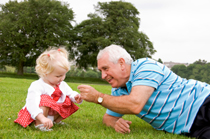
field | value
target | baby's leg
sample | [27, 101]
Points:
[58, 118]
[45, 113]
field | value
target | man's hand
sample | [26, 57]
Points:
[88, 93]
[122, 126]
[119, 124]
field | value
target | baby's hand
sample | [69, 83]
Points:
[78, 98]
[44, 120]
[47, 123]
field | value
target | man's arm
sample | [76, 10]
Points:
[126, 104]
[120, 125]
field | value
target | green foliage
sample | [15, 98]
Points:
[8, 69]
[29, 27]
[201, 62]
[86, 123]
[78, 72]
[29, 70]
[199, 70]
[180, 70]
[72, 79]
[114, 22]
[159, 60]
[75, 72]
[92, 74]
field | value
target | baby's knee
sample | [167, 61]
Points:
[45, 110]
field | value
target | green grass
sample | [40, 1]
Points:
[86, 123]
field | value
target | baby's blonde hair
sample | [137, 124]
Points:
[51, 58]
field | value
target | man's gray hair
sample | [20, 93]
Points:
[115, 52]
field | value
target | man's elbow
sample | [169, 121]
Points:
[135, 109]
[105, 120]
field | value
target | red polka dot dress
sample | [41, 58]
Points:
[59, 99]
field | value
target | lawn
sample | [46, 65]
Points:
[86, 123]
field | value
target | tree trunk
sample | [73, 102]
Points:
[20, 68]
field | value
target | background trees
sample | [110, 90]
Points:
[199, 70]
[27, 28]
[114, 22]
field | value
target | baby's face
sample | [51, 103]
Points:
[56, 76]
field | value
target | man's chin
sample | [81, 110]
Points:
[114, 86]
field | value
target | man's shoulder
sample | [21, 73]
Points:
[144, 60]
[146, 63]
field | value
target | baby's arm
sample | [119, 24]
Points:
[33, 99]
[78, 98]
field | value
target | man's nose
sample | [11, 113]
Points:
[103, 75]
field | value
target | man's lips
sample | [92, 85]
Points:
[109, 80]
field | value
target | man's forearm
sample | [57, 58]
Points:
[129, 104]
[121, 104]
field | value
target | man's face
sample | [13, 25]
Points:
[111, 72]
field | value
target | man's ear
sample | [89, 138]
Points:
[121, 61]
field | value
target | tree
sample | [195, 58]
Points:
[199, 70]
[159, 60]
[91, 73]
[27, 28]
[201, 62]
[180, 70]
[114, 22]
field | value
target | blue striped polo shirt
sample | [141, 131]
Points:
[175, 102]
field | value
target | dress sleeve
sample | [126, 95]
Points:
[70, 93]
[33, 99]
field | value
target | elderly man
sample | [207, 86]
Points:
[152, 92]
